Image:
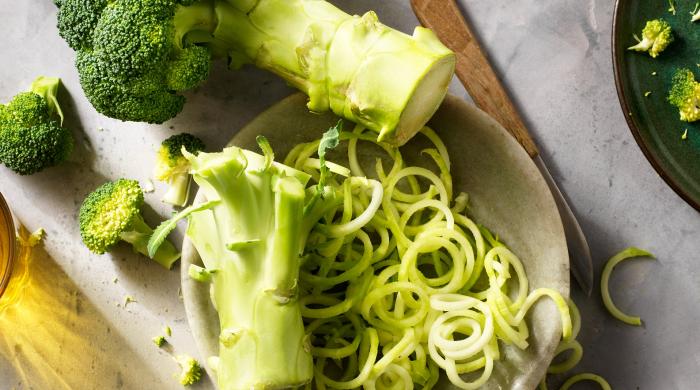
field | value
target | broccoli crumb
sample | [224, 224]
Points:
[168, 331]
[115, 280]
[685, 134]
[33, 239]
[647, 93]
[129, 299]
[148, 186]
[672, 7]
[191, 370]
[159, 341]
[653, 73]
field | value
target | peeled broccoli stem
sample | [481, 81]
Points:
[355, 66]
[138, 236]
[251, 243]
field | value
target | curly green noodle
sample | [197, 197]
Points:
[398, 282]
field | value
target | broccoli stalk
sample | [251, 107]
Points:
[135, 56]
[32, 136]
[685, 95]
[173, 168]
[112, 213]
[251, 244]
[656, 36]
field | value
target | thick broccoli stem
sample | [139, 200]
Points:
[259, 220]
[355, 66]
[138, 236]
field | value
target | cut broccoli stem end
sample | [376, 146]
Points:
[138, 237]
[178, 190]
[346, 67]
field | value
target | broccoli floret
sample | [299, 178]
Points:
[112, 213]
[685, 95]
[131, 58]
[172, 167]
[656, 36]
[31, 133]
[191, 370]
[136, 57]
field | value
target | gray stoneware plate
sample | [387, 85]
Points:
[506, 193]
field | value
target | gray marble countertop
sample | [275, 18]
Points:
[554, 56]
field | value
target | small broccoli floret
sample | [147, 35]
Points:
[685, 95]
[172, 167]
[656, 36]
[112, 213]
[31, 133]
[191, 370]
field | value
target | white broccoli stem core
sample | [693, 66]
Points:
[355, 66]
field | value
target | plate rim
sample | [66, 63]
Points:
[631, 123]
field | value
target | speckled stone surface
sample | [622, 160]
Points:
[554, 56]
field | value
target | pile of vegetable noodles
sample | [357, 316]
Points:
[397, 281]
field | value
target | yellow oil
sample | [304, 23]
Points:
[17, 256]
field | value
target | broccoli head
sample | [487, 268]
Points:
[656, 36]
[112, 213]
[191, 370]
[131, 58]
[685, 95]
[172, 167]
[31, 133]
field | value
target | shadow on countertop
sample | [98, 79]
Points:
[53, 337]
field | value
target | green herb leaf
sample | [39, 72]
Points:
[163, 230]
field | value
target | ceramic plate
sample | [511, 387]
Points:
[654, 122]
[506, 193]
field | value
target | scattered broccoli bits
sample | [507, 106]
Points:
[656, 36]
[112, 213]
[172, 167]
[32, 136]
[159, 341]
[191, 370]
[685, 95]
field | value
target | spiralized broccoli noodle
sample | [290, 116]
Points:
[397, 281]
[628, 253]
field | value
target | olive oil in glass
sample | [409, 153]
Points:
[14, 259]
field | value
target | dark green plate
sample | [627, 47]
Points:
[654, 122]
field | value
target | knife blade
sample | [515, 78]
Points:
[481, 82]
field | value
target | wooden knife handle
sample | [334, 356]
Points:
[473, 68]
